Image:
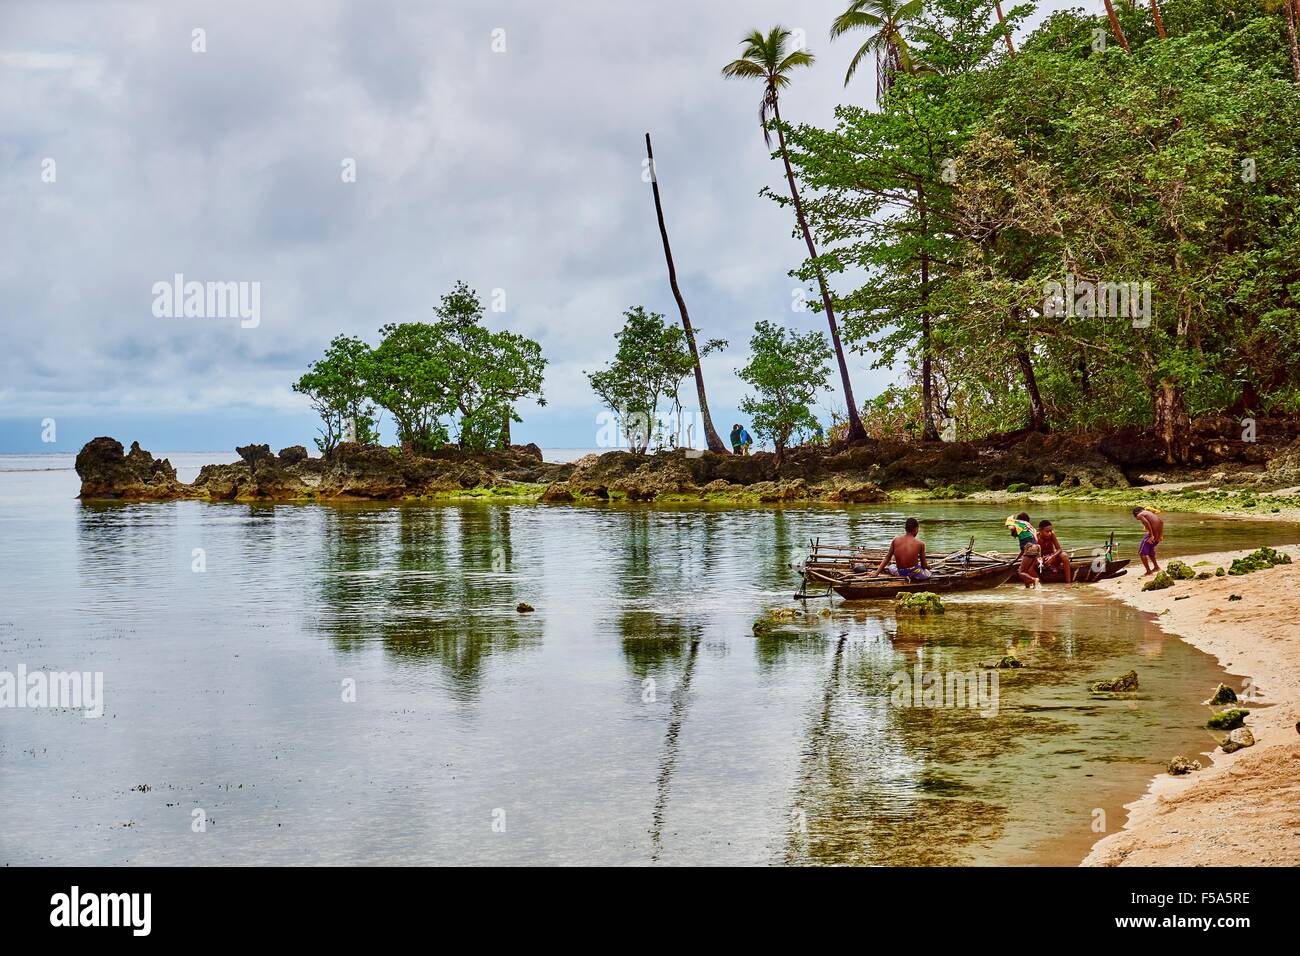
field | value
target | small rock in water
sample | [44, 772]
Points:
[1009, 661]
[1229, 719]
[523, 607]
[1238, 739]
[1224, 695]
[1181, 765]
[1121, 684]
[1234, 597]
[783, 613]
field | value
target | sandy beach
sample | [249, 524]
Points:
[1242, 808]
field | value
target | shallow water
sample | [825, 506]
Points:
[632, 718]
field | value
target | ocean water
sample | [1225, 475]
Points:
[337, 684]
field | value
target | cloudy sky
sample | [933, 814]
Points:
[518, 170]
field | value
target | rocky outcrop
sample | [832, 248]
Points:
[1123, 684]
[107, 472]
[351, 471]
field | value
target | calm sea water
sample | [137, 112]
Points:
[633, 718]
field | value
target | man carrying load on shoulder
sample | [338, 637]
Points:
[907, 551]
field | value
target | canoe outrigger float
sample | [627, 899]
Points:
[848, 571]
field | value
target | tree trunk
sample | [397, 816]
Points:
[1115, 28]
[505, 429]
[1011, 49]
[1292, 12]
[856, 431]
[1155, 15]
[1037, 414]
[928, 430]
[711, 438]
[1172, 423]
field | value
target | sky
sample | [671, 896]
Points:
[496, 142]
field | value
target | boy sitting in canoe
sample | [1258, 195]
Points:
[1029, 549]
[1053, 555]
[1155, 525]
[908, 554]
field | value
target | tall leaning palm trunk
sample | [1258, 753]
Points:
[713, 442]
[1115, 28]
[765, 58]
[1155, 15]
[1007, 35]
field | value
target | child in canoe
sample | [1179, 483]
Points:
[907, 551]
[1053, 555]
[1029, 549]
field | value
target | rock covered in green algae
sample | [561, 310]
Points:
[1259, 560]
[1229, 719]
[1161, 581]
[922, 602]
[1182, 765]
[1116, 685]
[1224, 695]
[1219, 572]
[1238, 740]
[1179, 571]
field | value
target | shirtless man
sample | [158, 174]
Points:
[1053, 554]
[908, 554]
[1155, 526]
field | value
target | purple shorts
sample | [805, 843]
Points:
[1148, 548]
[913, 574]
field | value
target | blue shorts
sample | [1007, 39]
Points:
[913, 574]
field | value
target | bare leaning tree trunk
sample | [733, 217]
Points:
[1001, 22]
[711, 438]
[1155, 15]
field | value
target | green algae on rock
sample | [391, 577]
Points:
[1124, 683]
[922, 602]
[1229, 719]
[1179, 571]
[1161, 581]
[1223, 695]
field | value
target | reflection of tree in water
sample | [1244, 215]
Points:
[432, 584]
[871, 790]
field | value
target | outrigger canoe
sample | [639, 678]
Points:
[943, 580]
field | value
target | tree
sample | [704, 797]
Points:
[488, 372]
[338, 388]
[883, 20]
[1115, 28]
[765, 58]
[711, 439]
[412, 379]
[651, 361]
[787, 369]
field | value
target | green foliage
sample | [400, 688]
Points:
[648, 367]
[337, 387]
[983, 178]
[787, 369]
[422, 373]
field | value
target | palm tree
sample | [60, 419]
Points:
[765, 58]
[883, 19]
[711, 439]
[1115, 28]
[1155, 15]
[1003, 23]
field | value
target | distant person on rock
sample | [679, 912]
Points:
[1053, 555]
[907, 551]
[1155, 527]
[737, 440]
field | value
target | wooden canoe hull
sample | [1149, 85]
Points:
[1084, 573]
[861, 587]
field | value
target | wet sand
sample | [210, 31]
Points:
[1243, 808]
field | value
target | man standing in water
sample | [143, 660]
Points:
[1155, 526]
[1029, 549]
[908, 554]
